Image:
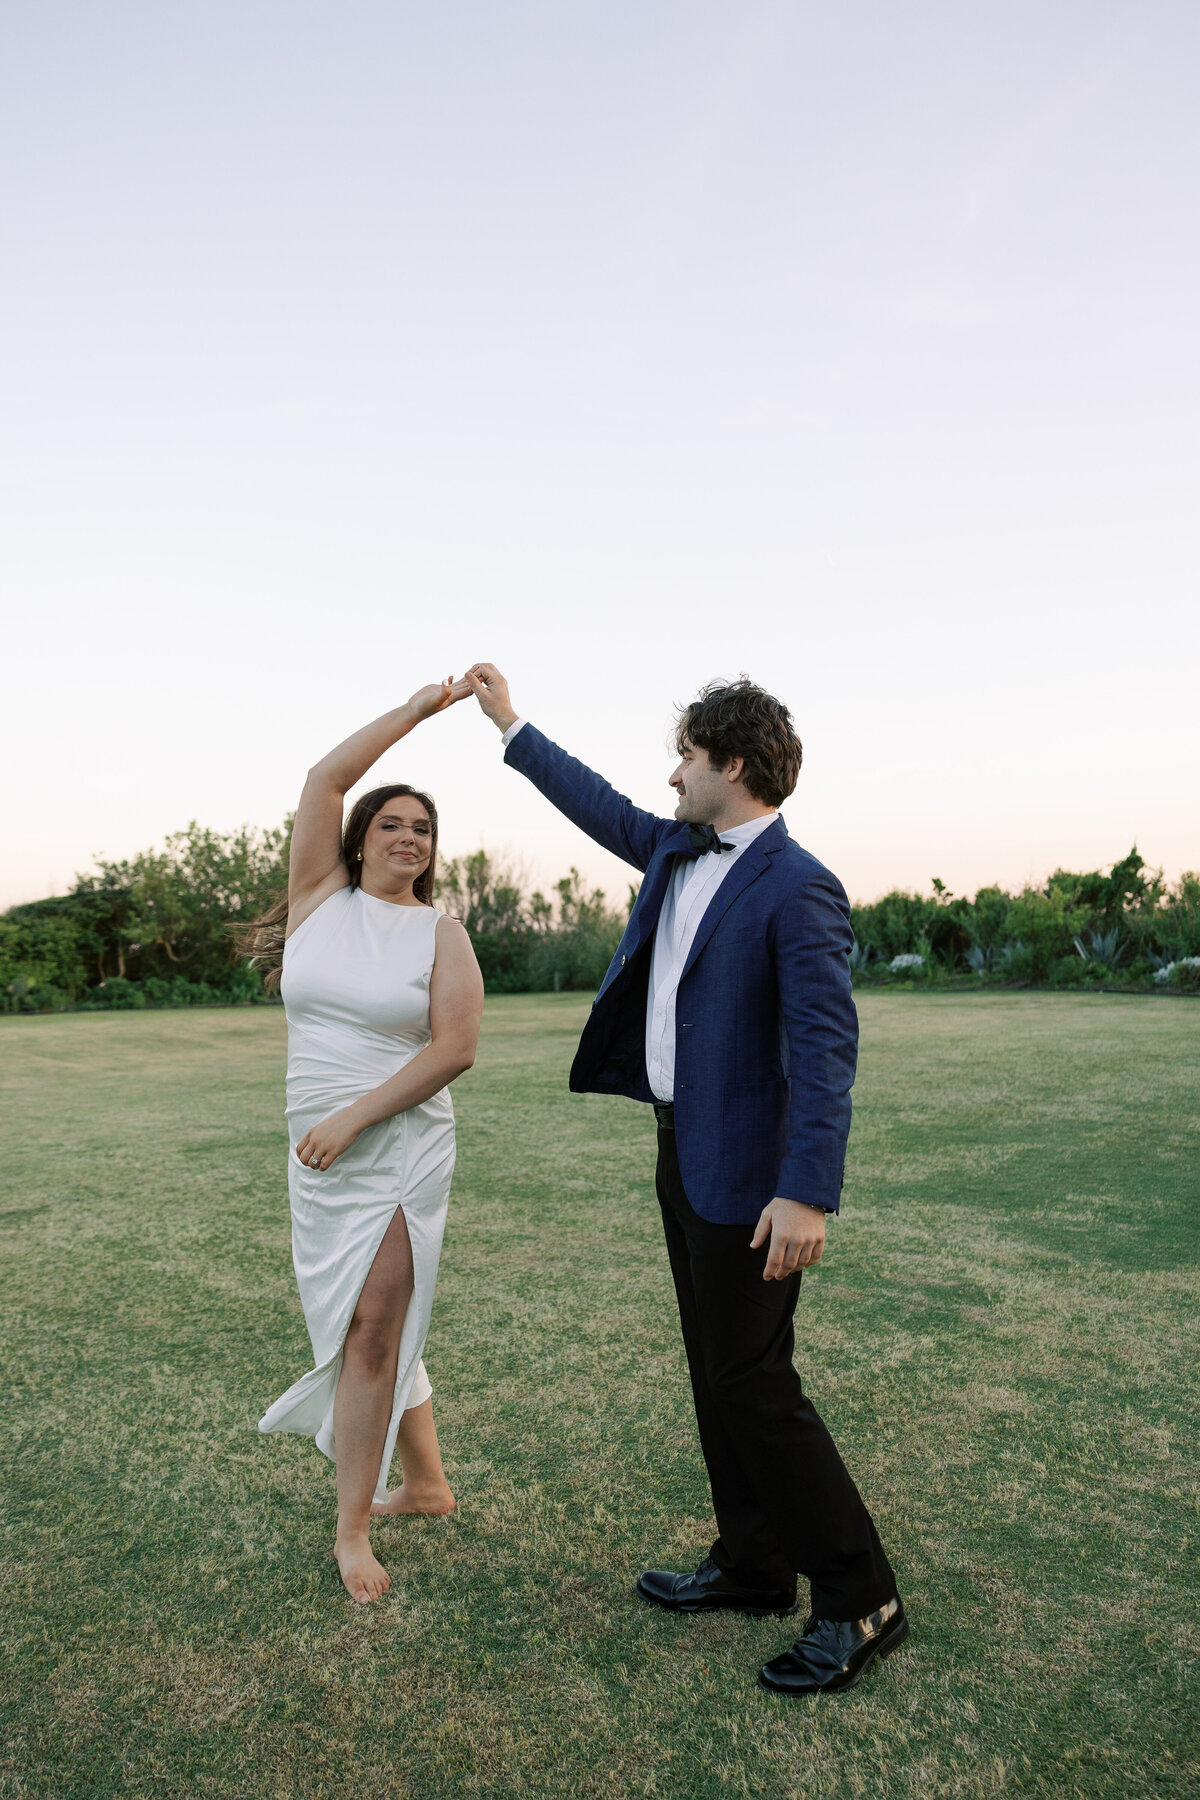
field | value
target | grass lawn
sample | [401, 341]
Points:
[1002, 1337]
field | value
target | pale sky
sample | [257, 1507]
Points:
[626, 346]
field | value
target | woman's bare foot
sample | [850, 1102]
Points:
[363, 1576]
[409, 1498]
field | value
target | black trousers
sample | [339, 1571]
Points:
[784, 1502]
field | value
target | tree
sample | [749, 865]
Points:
[488, 896]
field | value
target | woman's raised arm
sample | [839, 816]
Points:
[315, 868]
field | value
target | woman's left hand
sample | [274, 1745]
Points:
[438, 695]
[321, 1146]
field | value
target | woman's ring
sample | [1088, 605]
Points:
[315, 1163]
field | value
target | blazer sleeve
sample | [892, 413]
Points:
[820, 1025]
[586, 798]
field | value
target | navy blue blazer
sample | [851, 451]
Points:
[766, 1034]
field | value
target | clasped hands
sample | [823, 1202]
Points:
[484, 680]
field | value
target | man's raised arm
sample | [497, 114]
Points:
[577, 791]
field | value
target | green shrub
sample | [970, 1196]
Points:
[1185, 976]
[894, 923]
[115, 995]
[1177, 919]
[1047, 924]
[47, 998]
[1018, 962]
[571, 959]
[503, 961]
[574, 940]
[244, 986]
[985, 918]
[907, 966]
[17, 993]
[38, 955]
[24, 994]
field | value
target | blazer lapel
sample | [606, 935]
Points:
[653, 893]
[752, 863]
[644, 917]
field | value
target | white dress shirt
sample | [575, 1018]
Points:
[691, 890]
[690, 893]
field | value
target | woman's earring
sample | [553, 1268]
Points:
[360, 856]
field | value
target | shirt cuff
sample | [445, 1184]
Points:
[511, 733]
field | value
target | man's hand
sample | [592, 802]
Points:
[321, 1146]
[797, 1235]
[491, 690]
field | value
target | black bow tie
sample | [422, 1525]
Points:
[703, 838]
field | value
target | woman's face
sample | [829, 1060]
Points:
[398, 843]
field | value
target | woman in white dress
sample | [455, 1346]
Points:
[384, 1000]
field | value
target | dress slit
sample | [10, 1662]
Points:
[409, 1371]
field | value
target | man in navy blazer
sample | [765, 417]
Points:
[728, 1008]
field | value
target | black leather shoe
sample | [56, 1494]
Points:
[835, 1653]
[709, 1590]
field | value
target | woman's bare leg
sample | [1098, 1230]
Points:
[425, 1488]
[363, 1406]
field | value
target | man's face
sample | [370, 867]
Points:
[702, 791]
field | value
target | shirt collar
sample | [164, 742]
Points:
[741, 835]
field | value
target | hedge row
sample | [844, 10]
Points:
[156, 930]
[1127, 926]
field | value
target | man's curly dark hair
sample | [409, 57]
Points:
[736, 718]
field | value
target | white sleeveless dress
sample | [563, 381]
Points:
[356, 989]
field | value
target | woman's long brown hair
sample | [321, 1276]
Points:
[262, 940]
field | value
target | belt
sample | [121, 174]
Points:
[664, 1112]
